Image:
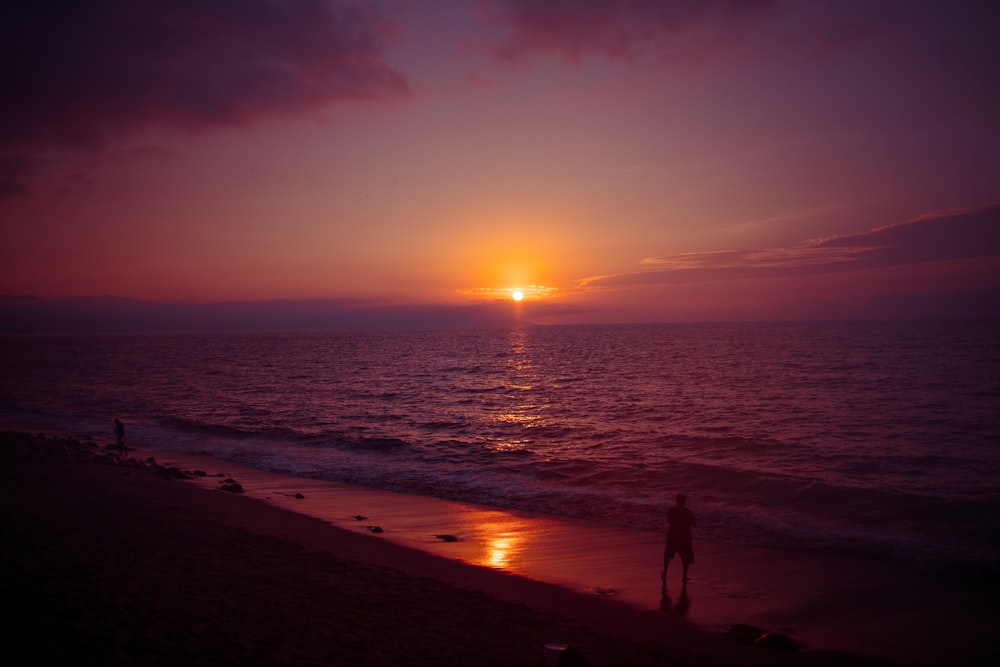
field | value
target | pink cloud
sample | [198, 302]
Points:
[962, 234]
[80, 73]
[622, 29]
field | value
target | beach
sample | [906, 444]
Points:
[134, 563]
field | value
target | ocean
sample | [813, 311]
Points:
[878, 439]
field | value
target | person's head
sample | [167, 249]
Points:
[681, 499]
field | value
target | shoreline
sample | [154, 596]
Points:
[600, 575]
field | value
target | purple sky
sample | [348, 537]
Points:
[622, 161]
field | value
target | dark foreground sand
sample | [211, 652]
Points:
[120, 564]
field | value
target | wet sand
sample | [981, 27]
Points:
[120, 564]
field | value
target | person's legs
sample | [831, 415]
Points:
[687, 557]
[668, 553]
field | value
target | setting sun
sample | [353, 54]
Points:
[530, 292]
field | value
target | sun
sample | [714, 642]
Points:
[517, 295]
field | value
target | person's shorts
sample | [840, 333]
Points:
[683, 548]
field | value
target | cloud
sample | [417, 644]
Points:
[30, 315]
[80, 73]
[623, 29]
[941, 236]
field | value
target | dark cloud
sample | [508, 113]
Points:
[621, 29]
[960, 234]
[949, 235]
[29, 315]
[80, 72]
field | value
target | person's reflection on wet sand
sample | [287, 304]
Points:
[683, 602]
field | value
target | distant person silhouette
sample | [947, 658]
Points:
[680, 524]
[120, 435]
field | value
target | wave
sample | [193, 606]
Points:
[845, 442]
[216, 430]
[733, 506]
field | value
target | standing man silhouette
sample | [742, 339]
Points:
[680, 524]
[120, 435]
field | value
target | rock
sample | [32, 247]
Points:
[375, 529]
[172, 472]
[299, 496]
[232, 486]
[778, 642]
[742, 633]
[447, 538]
[200, 473]
[359, 517]
[564, 655]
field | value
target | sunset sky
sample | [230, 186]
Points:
[638, 160]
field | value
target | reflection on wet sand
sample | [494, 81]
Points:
[683, 602]
[501, 542]
[498, 551]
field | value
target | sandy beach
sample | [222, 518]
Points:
[124, 564]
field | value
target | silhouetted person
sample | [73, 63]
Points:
[680, 524]
[120, 435]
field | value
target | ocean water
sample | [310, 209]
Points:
[877, 439]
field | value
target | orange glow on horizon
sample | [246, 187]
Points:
[517, 294]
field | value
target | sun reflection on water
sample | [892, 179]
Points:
[497, 445]
[520, 387]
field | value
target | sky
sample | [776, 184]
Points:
[404, 160]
